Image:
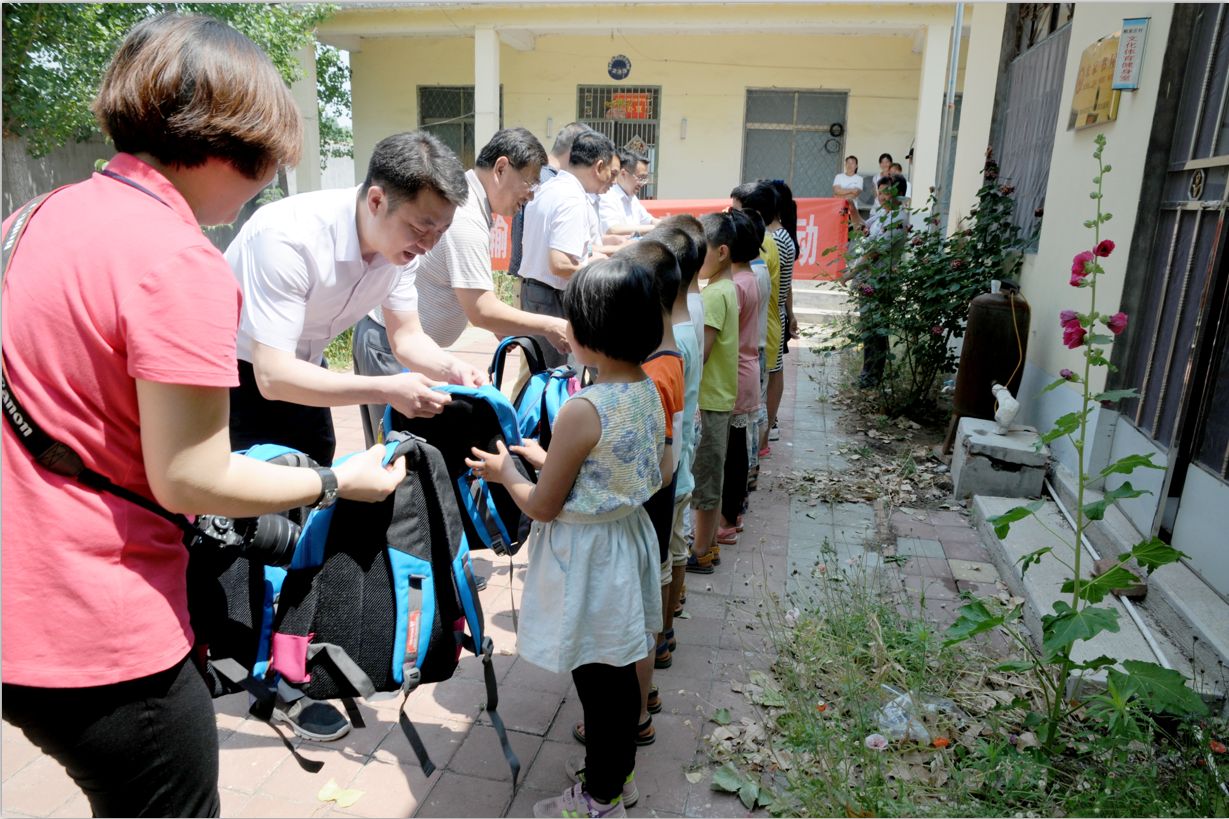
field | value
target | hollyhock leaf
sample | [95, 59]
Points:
[1154, 553]
[1053, 385]
[1120, 395]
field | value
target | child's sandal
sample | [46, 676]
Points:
[646, 734]
[662, 656]
[654, 703]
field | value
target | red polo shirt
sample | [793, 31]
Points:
[108, 285]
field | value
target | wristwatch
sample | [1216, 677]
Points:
[328, 488]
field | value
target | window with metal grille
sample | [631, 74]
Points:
[1033, 22]
[630, 116]
[798, 136]
[447, 111]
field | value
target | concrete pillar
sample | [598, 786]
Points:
[486, 85]
[977, 107]
[930, 111]
[306, 175]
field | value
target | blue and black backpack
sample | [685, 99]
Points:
[538, 401]
[475, 417]
[378, 598]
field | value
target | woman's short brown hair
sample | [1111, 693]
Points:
[188, 88]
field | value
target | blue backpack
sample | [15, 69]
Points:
[475, 417]
[538, 402]
[380, 597]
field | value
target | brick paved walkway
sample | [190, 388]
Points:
[721, 640]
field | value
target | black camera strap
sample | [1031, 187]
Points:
[53, 455]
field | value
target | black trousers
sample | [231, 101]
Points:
[255, 419]
[734, 486]
[874, 358]
[544, 300]
[145, 747]
[610, 697]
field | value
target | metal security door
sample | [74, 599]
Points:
[798, 136]
[1178, 357]
[630, 116]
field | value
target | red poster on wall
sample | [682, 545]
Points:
[821, 225]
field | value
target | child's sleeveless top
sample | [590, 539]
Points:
[623, 469]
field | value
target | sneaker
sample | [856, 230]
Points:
[311, 720]
[774, 434]
[576, 802]
[575, 767]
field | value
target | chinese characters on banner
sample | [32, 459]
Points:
[1095, 101]
[821, 225]
[1130, 53]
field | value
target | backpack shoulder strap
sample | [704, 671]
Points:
[533, 356]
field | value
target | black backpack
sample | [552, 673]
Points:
[538, 401]
[380, 597]
[475, 417]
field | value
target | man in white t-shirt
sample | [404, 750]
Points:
[619, 210]
[454, 280]
[848, 185]
[562, 231]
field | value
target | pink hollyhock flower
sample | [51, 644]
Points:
[1067, 374]
[1068, 317]
[1104, 248]
[1079, 267]
[1073, 336]
[1117, 322]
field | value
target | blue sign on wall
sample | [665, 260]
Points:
[619, 67]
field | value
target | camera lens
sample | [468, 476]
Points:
[270, 540]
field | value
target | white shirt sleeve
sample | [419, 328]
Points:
[609, 211]
[275, 277]
[643, 217]
[403, 298]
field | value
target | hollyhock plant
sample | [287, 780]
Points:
[1079, 617]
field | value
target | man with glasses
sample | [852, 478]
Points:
[454, 281]
[561, 229]
[619, 209]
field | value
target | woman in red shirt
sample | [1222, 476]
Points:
[119, 340]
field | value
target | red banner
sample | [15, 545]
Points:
[820, 226]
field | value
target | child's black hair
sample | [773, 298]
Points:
[660, 260]
[719, 229]
[691, 226]
[748, 235]
[614, 309]
[759, 197]
[689, 256]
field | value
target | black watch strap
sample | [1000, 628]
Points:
[328, 487]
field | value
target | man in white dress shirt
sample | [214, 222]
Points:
[619, 209]
[454, 280]
[562, 231]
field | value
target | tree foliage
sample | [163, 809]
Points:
[55, 55]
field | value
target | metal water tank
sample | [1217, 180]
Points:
[995, 344]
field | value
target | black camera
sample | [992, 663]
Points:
[268, 539]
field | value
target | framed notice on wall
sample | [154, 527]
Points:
[1095, 101]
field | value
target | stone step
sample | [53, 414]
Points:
[816, 295]
[818, 316]
[1041, 586]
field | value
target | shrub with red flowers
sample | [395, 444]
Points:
[916, 291]
[1136, 690]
